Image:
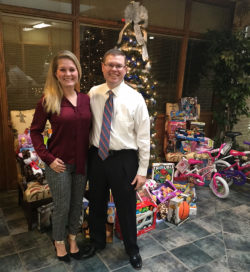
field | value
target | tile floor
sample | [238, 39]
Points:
[217, 239]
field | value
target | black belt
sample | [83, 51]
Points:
[115, 152]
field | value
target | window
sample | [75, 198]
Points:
[27, 55]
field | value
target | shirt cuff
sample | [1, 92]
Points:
[142, 171]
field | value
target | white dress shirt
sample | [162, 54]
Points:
[130, 125]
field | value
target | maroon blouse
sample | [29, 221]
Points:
[70, 132]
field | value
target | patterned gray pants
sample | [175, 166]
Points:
[67, 191]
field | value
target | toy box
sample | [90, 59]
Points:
[164, 192]
[189, 106]
[172, 126]
[178, 210]
[162, 172]
[145, 217]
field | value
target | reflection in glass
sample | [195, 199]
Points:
[63, 6]
[27, 56]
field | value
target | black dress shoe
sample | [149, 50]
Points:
[136, 261]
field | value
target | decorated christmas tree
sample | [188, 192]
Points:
[133, 42]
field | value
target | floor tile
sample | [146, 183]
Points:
[6, 245]
[242, 210]
[170, 238]
[239, 226]
[237, 242]
[213, 246]
[149, 247]
[3, 228]
[38, 257]
[219, 265]
[160, 263]
[114, 256]
[238, 260]
[192, 231]
[12, 213]
[32, 239]
[54, 268]
[93, 264]
[191, 255]
[11, 263]
[17, 226]
[210, 223]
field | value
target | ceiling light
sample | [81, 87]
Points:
[41, 25]
[151, 37]
[27, 28]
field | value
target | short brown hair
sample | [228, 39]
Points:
[114, 52]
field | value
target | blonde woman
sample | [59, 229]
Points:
[68, 112]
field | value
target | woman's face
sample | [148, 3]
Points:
[67, 73]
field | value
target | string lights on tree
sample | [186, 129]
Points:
[133, 42]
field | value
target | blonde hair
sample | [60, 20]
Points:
[53, 92]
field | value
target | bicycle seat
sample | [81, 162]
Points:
[193, 161]
[232, 134]
[236, 153]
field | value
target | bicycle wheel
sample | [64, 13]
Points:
[221, 166]
[221, 188]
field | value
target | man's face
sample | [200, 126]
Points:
[114, 70]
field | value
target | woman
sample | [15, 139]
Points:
[65, 156]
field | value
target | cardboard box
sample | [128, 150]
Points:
[175, 107]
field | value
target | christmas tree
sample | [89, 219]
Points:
[132, 41]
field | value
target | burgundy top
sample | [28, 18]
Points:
[70, 132]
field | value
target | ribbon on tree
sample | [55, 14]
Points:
[137, 14]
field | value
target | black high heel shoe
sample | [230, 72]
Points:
[64, 258]
[77, 255]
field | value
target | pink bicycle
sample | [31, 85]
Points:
[239, 171]
[192, 171]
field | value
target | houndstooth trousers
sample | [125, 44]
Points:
[67, 191]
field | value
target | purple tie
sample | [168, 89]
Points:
[103, 151]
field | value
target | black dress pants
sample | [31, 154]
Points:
[115, 173]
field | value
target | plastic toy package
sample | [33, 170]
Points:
[162, 172]
[189, 106]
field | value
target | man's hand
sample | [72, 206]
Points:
[58, 165]
[139, 181]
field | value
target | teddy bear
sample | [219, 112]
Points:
[32, 170]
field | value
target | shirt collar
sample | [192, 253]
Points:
[116, 89]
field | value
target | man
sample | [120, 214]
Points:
[119, 156]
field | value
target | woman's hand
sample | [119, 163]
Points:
[58, 165]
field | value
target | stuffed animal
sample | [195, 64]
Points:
[32, 170]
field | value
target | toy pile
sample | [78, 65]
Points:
[184, 134]
[32, 168]
[175, 201]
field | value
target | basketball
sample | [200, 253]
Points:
[184, 210]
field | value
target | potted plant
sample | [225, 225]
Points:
[227, 64]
